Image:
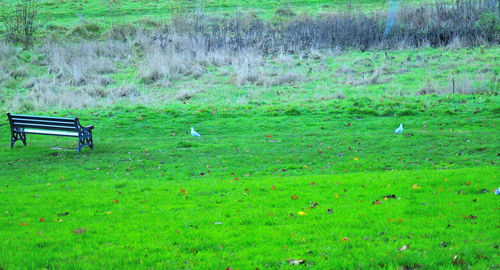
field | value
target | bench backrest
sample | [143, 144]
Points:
[44, 125]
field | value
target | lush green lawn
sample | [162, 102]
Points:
[255, 189]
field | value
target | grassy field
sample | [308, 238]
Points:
[68, 13]
[297, 165]
[255, 190]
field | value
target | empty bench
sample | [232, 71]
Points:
[20, 125]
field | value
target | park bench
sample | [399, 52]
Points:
[20, 125]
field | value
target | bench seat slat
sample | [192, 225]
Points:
[51, 132]
[38, 126]
[42, 122]
[62, 119]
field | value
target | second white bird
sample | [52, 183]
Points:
[399, 129]
[194, 133]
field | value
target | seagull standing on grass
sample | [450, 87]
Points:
[194, 133]
[399, 129]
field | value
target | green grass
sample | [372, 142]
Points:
[150, 199]
[66, 13]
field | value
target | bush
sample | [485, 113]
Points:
[86, 30]
[470, 22]
[22, 22]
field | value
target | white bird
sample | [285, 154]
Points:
[399, 129]
[194, 133]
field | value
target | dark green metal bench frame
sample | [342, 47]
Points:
[20, 125]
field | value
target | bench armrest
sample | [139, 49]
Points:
[88, 127]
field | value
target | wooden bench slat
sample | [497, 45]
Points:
[51, 132]
[17, 121]
[27, 125]
[34, 117]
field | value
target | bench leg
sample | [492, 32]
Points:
[86, 140]
[17, 137]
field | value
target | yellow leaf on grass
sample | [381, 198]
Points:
[335, 195]
[355, 158]
[302, 213]
[345, 239]
[415, 186]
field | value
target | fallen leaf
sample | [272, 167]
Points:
[415, 186]
[405, 247]
[116, 201]
[110, 212]
[355, 158]
[468, 183]
[23, 224]
[345, 239]
[295, 262]
[312, 183]
[295, 197]
[268, 136]
[302, 213]
[80, 231]
[183, 191]
[348, 125]
[273, 187]
[336, 195]
[42, 219]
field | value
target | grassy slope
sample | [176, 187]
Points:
[66, 13]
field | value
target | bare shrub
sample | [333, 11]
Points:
[167, 61]
[428, 88]
[93, 91]
[284, 11]
[474, 22]
[124, 91]
[455, 43]
[464, 85]
[246, 69]
[122, 32]
[82, 63]
[46, 93]
[22, 22]
[344, 70]
[372, 77]
[286, 78]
